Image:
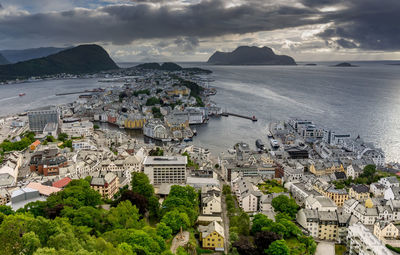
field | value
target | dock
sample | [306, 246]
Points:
[252, 118]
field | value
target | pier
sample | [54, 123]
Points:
[252, 118]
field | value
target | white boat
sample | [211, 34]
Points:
[274, 143]
[231, 151]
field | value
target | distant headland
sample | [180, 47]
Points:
[246, 55]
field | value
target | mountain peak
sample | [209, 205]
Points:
[250, 55]
[89, 58]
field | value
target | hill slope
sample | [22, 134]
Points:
[3, 60]
[245, 55]
[15, 56]
[79, 60]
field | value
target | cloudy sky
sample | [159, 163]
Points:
[191, 30]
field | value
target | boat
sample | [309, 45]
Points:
[22, 94]
[254, 118]
[194, 132]
[231, 151]
[187, 139]
[259, 144]
[274, 143]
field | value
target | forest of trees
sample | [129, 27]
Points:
[73, 221]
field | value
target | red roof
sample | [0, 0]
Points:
[62, 183]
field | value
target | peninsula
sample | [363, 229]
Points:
[246, 55]
[78, 60]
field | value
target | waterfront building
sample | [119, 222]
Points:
[164, 169]
[78, 129]
[155, 129]
[362, 242]
[38, 119]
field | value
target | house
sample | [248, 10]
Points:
[389, 182]
[62, 183]
[392, 193]
[47, 162]
[386, 230]
[247, 194]
[338, 196]
[107, 186]
[354, 171]
[359, 192]
[395, 206]
[34, 145]
[377, 189]
[309, 220]
[211, 205]
[212, 236]
[5, 196]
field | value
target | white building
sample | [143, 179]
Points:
[211, 205]
[389, 182]
[320, 203]
[247, 194]
[165, 169]
[78, 129]
[83, 144]
[362, 242]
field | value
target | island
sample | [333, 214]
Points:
[345, 64]
[246, 55]
[169, 66]
[82, 59]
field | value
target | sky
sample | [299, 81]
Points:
[192, 30]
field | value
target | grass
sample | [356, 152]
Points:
[271, 186]
[340, 249]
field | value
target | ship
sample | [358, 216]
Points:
[274, 143]
[22, 94]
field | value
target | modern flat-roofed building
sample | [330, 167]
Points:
[163, 169]
[362, 242]
[38, 119]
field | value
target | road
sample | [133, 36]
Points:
[225, 219]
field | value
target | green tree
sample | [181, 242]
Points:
[141, 185]
[260, 221]
[7, 210]
[164, 231]
[125, 215]
[30, 243]
[175, 220]
[284, 204]
[278, 247]
[62, 137]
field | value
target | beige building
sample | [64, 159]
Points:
[386, 230]
[359, 192]
[328, 226]
[326, 168]
[107, 186]
[211, 205]
[338, 196]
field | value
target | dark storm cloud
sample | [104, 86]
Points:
[371, 24]
[122, 24]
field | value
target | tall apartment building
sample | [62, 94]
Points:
[38, 119]
[165, 169]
